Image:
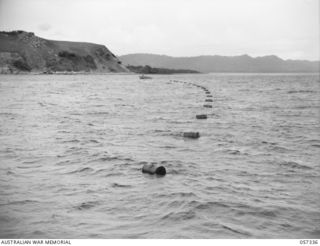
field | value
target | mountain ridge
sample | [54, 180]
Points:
[217, 63]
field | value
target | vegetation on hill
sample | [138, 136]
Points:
[21, 65]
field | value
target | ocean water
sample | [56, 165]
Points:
[72, 148]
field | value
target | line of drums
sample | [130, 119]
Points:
[153, 168]
[207, 104]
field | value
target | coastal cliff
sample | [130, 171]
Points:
[22, 51]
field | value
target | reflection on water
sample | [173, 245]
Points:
[72, 149]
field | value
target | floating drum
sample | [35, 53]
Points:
[191, 134]
[207, 106]
[201, 116]
[209, 100]
[152, 168]
[209, 95]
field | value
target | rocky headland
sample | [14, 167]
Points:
[24, 52]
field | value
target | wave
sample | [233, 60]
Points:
[207, 205]
[108, 158]
[260, 213]
[99, 113]
[124, 105]
[112, 158]
[38, 232]
[63, 163]
[71, 141]
[315, 145]
[117, 185]
[21, 202]
[167, 133]
[113, 174]
[86, 205]
[6, 114]
[64, 131]
[179, 216]
[93, 141]
[314, 142]
[306, 107]
[30, 162]
[301, 91]
[294, 165]
[5, 219]
[29, 167]
[236, 230]
[315, 233]
[177, 195]
[168, 147]
[74, 150]
[74, 113]
[179, 121]
[271, 143]
[10, 173]
[278, 149]
[233, 151]
[82, 170]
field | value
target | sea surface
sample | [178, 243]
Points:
[72, 148]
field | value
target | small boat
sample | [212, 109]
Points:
[144, 77]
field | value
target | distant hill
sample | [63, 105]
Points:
[205, 64]
[154, 70]
[22, 51]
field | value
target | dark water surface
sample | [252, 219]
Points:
[72, 149]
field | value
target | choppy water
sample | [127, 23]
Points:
[72, 149]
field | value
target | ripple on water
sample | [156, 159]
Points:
[87, 170]
[117, 185]
[86, 205]
[294, 165]
[178, 216]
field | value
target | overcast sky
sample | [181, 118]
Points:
[287, 28]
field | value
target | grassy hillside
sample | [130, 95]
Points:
[23, 51]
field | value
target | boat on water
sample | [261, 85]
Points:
[144, 77]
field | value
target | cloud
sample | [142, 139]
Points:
[44, 27]
[175, 27]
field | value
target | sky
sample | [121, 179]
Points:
[286, 28]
